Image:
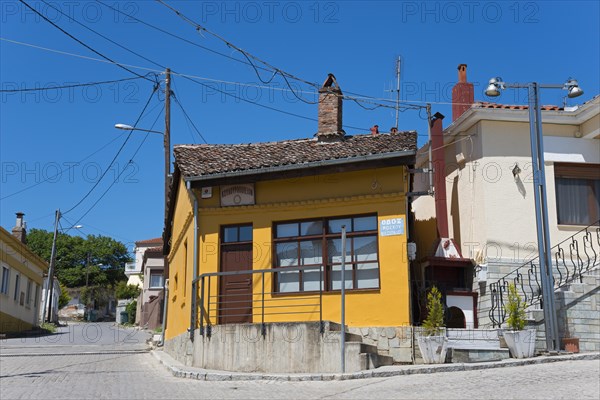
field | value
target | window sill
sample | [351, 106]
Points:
[325, 293]
[569, 227]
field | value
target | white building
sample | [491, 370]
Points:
[134, 270]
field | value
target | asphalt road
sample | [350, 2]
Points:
[80, 365]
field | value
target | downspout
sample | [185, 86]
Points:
[165, 309]
[193, 311]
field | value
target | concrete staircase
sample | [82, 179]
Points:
[366, 355]
[474, 345]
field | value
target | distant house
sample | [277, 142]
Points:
[133, 270]
[240, 210]
[152, 296]
[21, 278]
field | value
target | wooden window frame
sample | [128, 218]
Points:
[588, 172]
[324, 236]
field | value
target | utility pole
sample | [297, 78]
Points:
[51, 269]
[398, 65]
[167, 135]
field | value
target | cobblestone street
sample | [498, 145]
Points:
[140, 376]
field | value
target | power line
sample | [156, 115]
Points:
[176, 36]
[80, 42]
[120, 173]
[116, 155]
[57, 175]
[188, 118]
[68, 86]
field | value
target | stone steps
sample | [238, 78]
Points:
[369, 356]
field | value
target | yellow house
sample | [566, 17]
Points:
[237, 211]
[21, 280]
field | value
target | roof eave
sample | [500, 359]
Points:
[309, 165]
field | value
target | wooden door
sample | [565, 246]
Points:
[235, 300]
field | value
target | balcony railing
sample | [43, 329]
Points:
[571, 259]
[264, 303]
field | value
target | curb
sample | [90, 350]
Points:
[181, 371]
[76, 353]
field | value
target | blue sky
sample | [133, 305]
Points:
[71, 130]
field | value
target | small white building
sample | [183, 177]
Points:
[134, 270]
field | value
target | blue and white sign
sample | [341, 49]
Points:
[391, 227]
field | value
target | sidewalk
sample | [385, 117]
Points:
[183, 371]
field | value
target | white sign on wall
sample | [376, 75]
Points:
[391, 227]
[237, 195]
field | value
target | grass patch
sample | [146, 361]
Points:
[48, 326]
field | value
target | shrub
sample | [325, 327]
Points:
[515, 308]
[131, 311]
[125, 291]
[63, 298]
[435, 313]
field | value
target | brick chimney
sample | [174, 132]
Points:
[463, 95]
[439, 171]
[330, 111]
[19, 231]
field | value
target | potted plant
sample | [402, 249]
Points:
[520, 341]
[432, 341]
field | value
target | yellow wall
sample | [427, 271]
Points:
[21, 261]
[379, 191]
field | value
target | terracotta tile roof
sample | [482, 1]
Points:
[201, 160]
[149, 242]
[484, 104]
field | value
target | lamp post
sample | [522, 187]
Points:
[539, 182]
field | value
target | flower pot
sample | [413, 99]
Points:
[520, 343]
[571, 344]
[433, 348]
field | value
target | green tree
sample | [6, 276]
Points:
[107, 257]
[125, 291]
[435, 313]
[515, 308]
[64, 297]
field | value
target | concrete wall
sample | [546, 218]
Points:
[394, 341]
[286, 347]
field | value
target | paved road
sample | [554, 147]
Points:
[26, 372]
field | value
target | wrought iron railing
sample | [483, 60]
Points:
[571, 259]
[265, 304]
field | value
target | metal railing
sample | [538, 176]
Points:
[264, 303]
[571, 259]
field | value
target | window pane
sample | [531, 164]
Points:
[156, 280]
[365, 223]
[367, 276]
[336, 276]
[311, 252]
[288, 281]
[287, 254]
[572, 196]
[311, 228]
[334, 251]
[311, 279]
[335, 225]
[230, 234]
[365, 248]
[287, 230]
[246, 233]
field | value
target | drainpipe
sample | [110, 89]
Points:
[193, 312]
[165, 309]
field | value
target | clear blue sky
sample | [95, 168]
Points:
[72, 129]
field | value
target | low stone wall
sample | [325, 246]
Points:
[285, 347]
[390, 341]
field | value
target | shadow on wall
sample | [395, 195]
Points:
[425, 235]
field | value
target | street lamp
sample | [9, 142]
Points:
[167, 150]
[495, 86]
